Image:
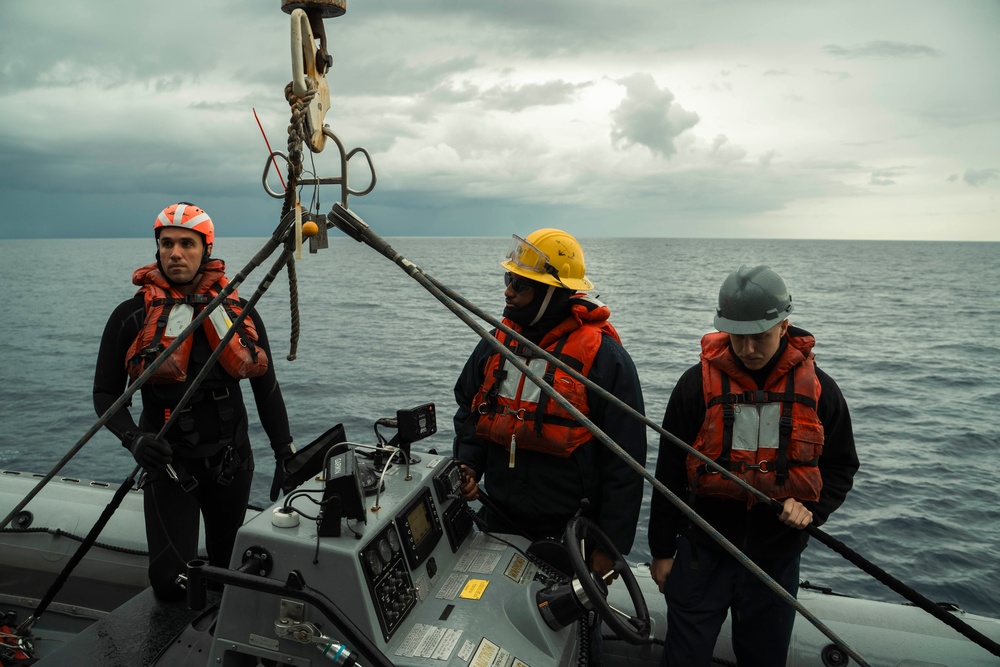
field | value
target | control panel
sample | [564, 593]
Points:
[388, 579]
[457, 517]
[448, 482]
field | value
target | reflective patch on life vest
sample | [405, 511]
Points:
[756, 426]
[515, 381]
[530, 391]
[220, 320]
[180, 316]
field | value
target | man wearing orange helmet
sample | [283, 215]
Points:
[538, 463]
[203, 465]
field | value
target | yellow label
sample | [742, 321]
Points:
[474, 589]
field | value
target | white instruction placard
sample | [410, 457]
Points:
[429, 641]
[484, 541]
[452, 586]
[484, 563]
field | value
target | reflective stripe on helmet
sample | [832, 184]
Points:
[189, 216]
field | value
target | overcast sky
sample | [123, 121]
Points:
[782, 119]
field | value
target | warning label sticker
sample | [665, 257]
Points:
[489, 655]
[474, 589]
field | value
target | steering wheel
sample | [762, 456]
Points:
[632, 629]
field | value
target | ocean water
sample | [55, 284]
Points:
[908, 330]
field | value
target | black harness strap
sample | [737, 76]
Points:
[785, 433]
[728, 418]
[229, 464]
[759, 396]
[228, 304]
[151, 351]
[550, 379]
[245, 340]
[227, 422]
[499, 375]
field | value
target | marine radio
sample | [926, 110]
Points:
[343, 496]
[416, 423]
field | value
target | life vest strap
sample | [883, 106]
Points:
[756, 396]
[785, 433]
[550, 379]
[528, 415]
[224, 405]
[744, 467]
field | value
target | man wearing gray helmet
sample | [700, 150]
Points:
[757, 405]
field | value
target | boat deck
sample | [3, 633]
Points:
[140, 632]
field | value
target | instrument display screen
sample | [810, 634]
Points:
[419, 528]
[420, 524]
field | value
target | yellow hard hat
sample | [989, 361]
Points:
[549, 256]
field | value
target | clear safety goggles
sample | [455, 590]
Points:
[526, 256]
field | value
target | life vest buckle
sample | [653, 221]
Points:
[754, 396]
[518, 414]
[151, 352]
[178, 473]
[763, 466]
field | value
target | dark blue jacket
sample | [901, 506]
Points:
[542, 492]
[757, 532]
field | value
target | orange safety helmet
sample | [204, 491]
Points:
[187, 215]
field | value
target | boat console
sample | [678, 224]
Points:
[402, 564]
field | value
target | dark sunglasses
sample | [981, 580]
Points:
[516, 282]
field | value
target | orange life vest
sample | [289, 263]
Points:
[511, 408]
[168, 312]
[772, 438]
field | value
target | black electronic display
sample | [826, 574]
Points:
[420, 528]
[419, 523]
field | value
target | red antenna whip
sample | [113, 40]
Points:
[269, 151]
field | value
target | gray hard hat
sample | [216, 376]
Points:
[752, 300]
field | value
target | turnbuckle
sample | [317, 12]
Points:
[303, 632]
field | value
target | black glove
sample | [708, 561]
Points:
[279, 469]
[149, 451]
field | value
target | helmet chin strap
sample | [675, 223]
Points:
[545, 304]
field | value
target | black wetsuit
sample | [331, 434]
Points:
[210, 444]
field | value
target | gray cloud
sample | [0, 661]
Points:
[398, 76]
[883, 49]
[648, 116]
[724, 151]
[883, 177]
[483, 111]
[517, 98]
[978, 177]
[839, 76]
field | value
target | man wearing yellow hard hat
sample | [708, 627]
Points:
[537, 464]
